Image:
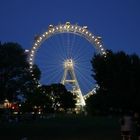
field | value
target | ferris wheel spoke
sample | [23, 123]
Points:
[56, 47]
[60, 48]
[65, 43]
[86, 77]
[73, 46]
[89, 83]
[83, 68]
[63, 40]
[53, 76]
[51, 72]
[81, 52]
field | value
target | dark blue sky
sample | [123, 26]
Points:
[117, 21]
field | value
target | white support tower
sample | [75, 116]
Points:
[69, 78]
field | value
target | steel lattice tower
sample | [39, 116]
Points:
[69, 77]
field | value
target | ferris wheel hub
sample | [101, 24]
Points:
[68, 64]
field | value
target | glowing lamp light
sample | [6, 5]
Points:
[26, 51]
[68, 23]
[96, 39]
[90, 34]
[31, 63]
[100, 46]
[85, 27]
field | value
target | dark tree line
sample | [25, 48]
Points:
[118, 77]
[14, 74]
[15, 80]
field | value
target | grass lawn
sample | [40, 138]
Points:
[63, 128]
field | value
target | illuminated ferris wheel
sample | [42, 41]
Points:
[63, 54]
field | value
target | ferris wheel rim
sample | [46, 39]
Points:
[60, 29]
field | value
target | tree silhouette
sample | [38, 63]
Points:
[61, 98]
[15, 77]
[118, 78]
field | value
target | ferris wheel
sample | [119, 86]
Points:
[63, 54]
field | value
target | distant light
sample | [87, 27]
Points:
[53, 29]
[100, 46]
[90, 34]
[68, 23]
[96, 39]
[15, 113]
[26, 51]
[85, 27]
[99, 37]
[83, 30]
[50, 26]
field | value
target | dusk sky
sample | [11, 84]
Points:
[117, 21]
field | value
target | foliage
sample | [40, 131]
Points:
[15, 77]
[62, 99]
[118, 78]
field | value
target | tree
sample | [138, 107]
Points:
[15, 77]
[117, 76]
[62, 99]
[38, 100]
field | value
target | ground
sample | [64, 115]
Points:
[63, 128]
